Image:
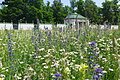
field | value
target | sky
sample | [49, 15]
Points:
[66, 2]
[1, 1]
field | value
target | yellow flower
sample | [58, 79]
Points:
[1, 78]
[83, 67]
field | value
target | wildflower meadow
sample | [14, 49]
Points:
[60, 54]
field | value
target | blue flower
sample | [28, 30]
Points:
[98, 70]
[96, 77]
[57, 75]
[93, 43]
[91, 57]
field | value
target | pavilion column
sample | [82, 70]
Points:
[78, 26]
[82, 24]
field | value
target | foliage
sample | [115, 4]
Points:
[59, 12]
[67, 55]
[91, 11]
[111, 11]
[27, 10]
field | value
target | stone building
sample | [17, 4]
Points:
[75, 20]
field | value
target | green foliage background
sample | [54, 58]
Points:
[27, 10]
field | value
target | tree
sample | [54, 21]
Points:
[58, 12]
[12, 11]
[116, 11]
[80, 7]
[73, 4]
[110, 11]
[89, 9]
[67, 10]
[47, 13]
[25, 10]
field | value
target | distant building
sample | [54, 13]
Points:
[76, 20]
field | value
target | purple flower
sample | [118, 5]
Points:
[96, 77]
[91, 57]
[98, 70]
[93, 43]
[57, 75]
[98, 74]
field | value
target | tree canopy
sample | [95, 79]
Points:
[28, 10]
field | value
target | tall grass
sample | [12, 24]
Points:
[85, 54]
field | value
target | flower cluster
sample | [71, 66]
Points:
[56, 55]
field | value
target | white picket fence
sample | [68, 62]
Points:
[28, 26]
[23, 26]
[105, 26]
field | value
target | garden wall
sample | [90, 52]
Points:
[28, 26]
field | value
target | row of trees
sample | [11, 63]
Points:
[28, 10]
[109, 12]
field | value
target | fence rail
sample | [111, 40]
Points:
[30, 26]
